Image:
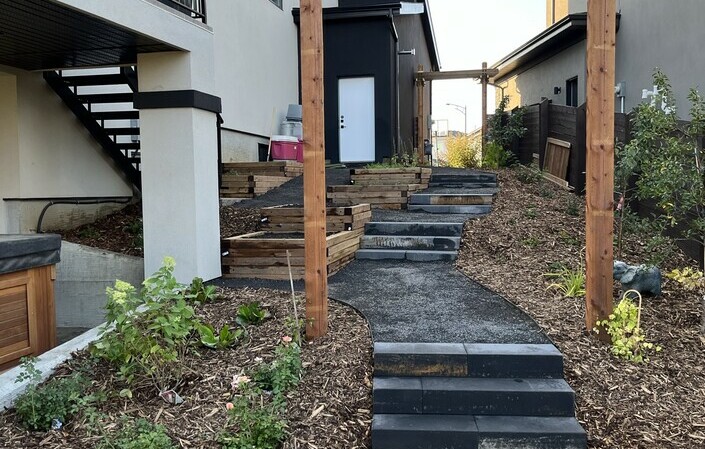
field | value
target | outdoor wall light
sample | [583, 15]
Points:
[557, 90]
[407, 52]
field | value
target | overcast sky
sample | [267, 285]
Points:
[469, 32]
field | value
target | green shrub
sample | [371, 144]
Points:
[256, 419]
[140, 434]
[495, 156]
[58, 399]
[528, 175]
[624, 329]
[282, 373]
[463, 151]
[251, 313]
[148, 332]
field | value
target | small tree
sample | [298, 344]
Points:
[504, 128]
[668, 163]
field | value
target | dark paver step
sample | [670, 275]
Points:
[414, 229]
[413, 242]
[481, 432]
[463, 185]
[472, 396]
[482, 360]
[527, 432]
[424, 432]
[451, 209]
[415, 255]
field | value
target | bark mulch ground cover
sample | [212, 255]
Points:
[330, 407]
[658, 404]
[121, 232]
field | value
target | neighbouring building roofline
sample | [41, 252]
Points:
[561, 35]
[382, 10]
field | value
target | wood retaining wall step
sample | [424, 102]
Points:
[338, 219]
[290, 169]
[257, 255]
[249, 186]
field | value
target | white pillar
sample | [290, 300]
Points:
[179, 164]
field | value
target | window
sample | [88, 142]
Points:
[278, 3]
[571, 92]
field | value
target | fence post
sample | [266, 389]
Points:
[544, 124]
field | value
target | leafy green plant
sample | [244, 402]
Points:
[692, 280]
[88, 232]
[135, 229]
[224, 338]
[147, 333]
[251, 313]
[54, 402]
[570, 283]
[528, 175]
[256, 420]
[572, 206]
[283, 372]
[140, 434]
[531, 242]
[530, 212]
[495, 156]
[200, 292]
[396, 161]
[624, 329]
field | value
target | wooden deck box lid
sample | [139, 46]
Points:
[23, 251]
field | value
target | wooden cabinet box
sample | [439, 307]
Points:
[27, 316]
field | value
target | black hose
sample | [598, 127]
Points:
[79, 202]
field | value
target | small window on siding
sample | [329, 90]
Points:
[278, 3]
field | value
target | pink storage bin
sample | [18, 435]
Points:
[287, 148]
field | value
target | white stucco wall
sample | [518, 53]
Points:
[46, 152]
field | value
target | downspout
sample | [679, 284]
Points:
[71, 200]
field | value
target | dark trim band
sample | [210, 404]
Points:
[178, 99]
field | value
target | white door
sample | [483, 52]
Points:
[356, 119]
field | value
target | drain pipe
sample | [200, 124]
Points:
[79, 201]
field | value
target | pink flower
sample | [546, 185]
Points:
[287, 339]
[239, 380]
[229, 406]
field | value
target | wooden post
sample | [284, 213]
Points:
[484, 80]
[420, 117]
[600, 160]
[316, 276]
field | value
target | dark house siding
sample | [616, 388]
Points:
[361, 47]
[411, 36]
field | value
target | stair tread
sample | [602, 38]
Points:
[126, 97]
[123, 131]
[473, 384]
[104, 79]
[116, 115]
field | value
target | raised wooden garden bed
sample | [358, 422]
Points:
[378, 196]
[291, 219]
[390, 176]
[249, 179]
[262, 255]
[249, 186]
[290, 169]
[383, 188]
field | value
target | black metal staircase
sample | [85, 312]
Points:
[81, 93]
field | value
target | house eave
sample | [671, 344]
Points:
[561, 35]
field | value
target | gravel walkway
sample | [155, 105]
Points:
[420, 302]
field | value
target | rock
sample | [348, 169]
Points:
[645, 280]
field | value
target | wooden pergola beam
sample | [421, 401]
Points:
[316, 272]
[599, 216]
[457, 74]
